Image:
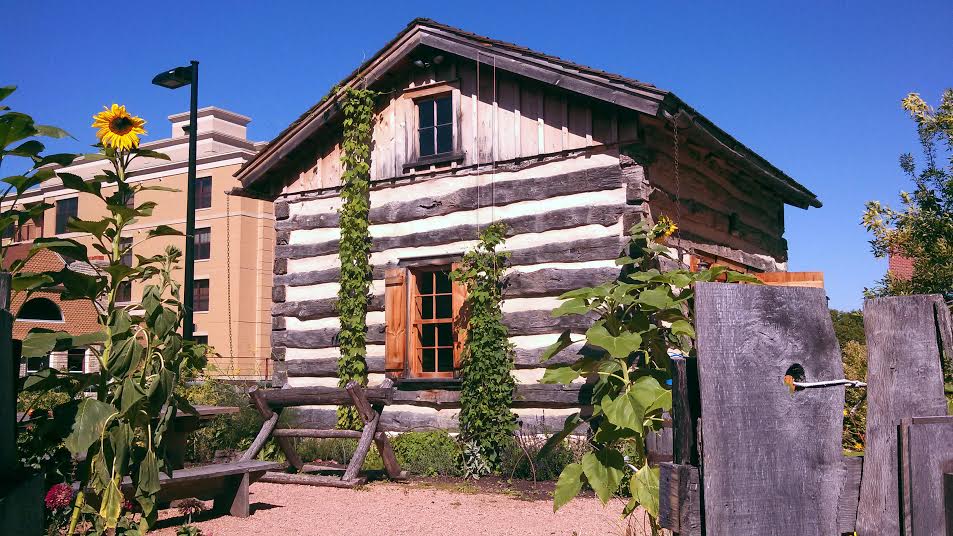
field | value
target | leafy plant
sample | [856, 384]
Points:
[142, 356]
[355, 245]
[17, 133]
[642, 316]
[431, 453]
[923, 229]
[223, 433]
[487, 391]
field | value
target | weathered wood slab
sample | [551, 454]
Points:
[680, 499]
[926, 453]
[903, 380]
[772, 459]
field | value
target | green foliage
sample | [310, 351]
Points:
[642, 315]
[522, 459]
[233, 432]
[355, 245]
[17, 133]
[432, 453]
[848, 326]
[487, 391]
[923, 229]
[142, 356]
[854, 354]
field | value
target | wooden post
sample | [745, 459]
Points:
[9, 370]
[772, 461]
[286, 444]
[904, 379]
[368, 414]
[926, 453]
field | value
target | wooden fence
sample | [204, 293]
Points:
[755, 454]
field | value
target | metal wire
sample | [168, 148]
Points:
[829, 383]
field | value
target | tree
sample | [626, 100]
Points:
[923, 229]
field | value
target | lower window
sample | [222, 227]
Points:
[433, 337]
[75, 360]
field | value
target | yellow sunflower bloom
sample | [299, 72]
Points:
[664, 228]
[118, 128]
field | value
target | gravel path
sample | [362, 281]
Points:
[405, 509]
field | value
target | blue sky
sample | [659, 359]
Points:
[814, 87]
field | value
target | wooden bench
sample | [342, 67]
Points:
[226, 484]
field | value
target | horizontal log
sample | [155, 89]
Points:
[519, 323]
[472, 198]
[311, 480]
[567, 218]
[317, 396]
[545, 282]
[592, 249]
[320, 434]
[529, 357]
[327, 366]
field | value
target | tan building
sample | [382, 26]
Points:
[234, 235]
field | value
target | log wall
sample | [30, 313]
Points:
[568, 177]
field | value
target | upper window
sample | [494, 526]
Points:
[203, 243]
[75, 360]
[40, 310]
[200, 295]
[35, 364]
[124, 292]
[203, 192]
[125, 249]
[435, 125]
[66, 209]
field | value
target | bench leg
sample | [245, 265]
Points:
[235, 499]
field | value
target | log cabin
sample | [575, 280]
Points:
[470, 130]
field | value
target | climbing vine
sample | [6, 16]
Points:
[642, 316]
[355, 244]
[486, 422]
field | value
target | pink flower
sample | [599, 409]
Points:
[59, 496]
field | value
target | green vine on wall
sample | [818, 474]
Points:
[355, 245]
[486, 422]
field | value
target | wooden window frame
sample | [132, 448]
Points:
[403, 359]
[434, 92]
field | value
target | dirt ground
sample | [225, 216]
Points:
[422, 507]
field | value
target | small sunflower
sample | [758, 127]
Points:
[664, 228]
[118, 128]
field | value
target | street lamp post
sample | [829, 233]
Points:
[174, 79]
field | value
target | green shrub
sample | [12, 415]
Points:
[226, 432]
[521, 458]
[432, 453]
[855, 402]
[336, 450]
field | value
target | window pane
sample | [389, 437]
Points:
[65, 210]
[444, 115]
[200, 295]
[444, 307]
[124, 292]
[443, 282]
[426, 142]
[444, 139]
[445, 334]
[203, 245]
[75, 358]
[125, 247]
[425, 112]
[426, 307]
[201, 339]
[427, 364]
[203, 192]
[425, 283]
[428, 335]
[445, 360]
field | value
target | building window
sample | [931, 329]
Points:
[200, 339]
[200, 295]
[66, 209]
[129, 200]
[125, 250]
[203, 243]
[435, 125]
[40, 310]
[76, 360]
[203, 192]
[124, 292]
[36, 364]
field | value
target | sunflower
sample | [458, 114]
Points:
[664, 228]
[118, 128]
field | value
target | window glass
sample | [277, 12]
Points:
[435, 124]
[125, 247]
[75, 360]
[66, 209]
[433, 323]
[40, 310]
[34, 364]
[203, 243]
[124, 292]
[203, 192]
[201, 339]
[200, 295]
